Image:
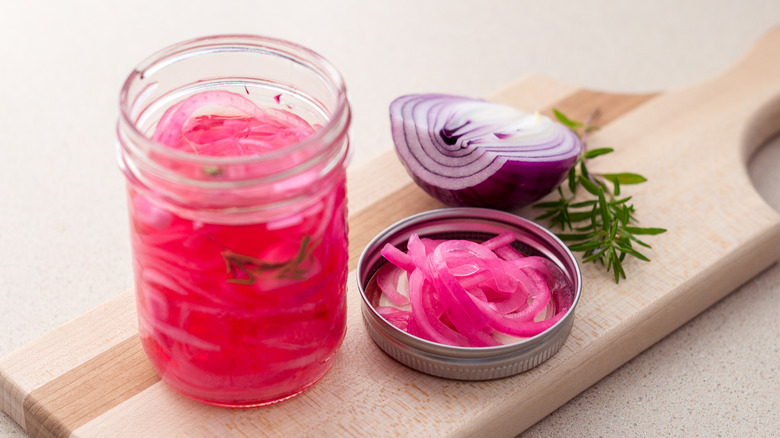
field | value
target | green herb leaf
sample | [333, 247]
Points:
[572, 178]
[565, 120]
[606, 217]
[591, 128]
[590, 186]
[583, 204]
[585, 246]
[616, 187]
[633, 252]
[593, 153]
[623, 215]
[574, 237]
[245, 269]
[646, 231]
[636, 240]
[601, 225]
[624, 178]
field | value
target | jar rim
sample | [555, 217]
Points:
[240, 42]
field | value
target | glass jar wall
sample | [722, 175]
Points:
[235, 149]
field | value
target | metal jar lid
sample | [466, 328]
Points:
[467, 363]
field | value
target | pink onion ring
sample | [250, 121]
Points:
[462, 293]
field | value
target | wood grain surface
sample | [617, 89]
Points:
[90, 377]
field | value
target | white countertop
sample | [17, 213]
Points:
[64, 244]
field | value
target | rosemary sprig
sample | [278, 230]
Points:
[602, 227]
[245, 269]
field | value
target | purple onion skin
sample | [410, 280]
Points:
[455, 132]
[528, 172]
[515, 185]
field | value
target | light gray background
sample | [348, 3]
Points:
[64, 245]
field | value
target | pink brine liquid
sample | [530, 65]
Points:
[239, 314]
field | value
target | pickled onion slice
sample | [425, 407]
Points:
[506, 252]
[503, 239]
[398, 257]
[387, 279]
[222, 123]
[424, 314]
[471, 294]
[418, 251]
[397, 317]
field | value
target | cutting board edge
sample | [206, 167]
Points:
[15, 391]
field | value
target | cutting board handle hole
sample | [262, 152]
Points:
[761, 151]
[764, 170]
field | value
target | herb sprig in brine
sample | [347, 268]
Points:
[602, 228]
[245, 269]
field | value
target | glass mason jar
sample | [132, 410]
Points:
[239, 242]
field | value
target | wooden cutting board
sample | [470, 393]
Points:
[90, 377]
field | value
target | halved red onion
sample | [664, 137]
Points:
[465, 151]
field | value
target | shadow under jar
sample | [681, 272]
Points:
[234, 149]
